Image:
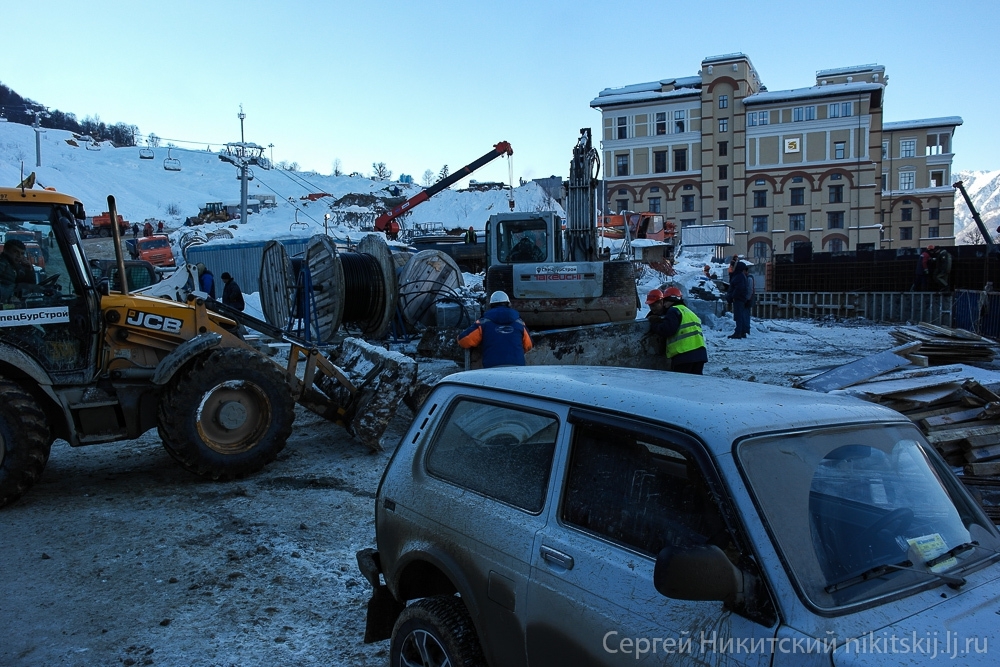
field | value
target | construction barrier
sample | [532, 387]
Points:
[931, 307]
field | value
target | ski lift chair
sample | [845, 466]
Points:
[146, 153]
[171, 163]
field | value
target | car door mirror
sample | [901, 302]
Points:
[699, 573]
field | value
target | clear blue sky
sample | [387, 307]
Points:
[420, 85]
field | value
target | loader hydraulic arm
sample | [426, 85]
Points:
[382, 222]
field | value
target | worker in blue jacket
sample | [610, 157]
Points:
[500, 334]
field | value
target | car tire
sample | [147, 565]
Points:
[433, 632]
[24, 442]
[227, 414]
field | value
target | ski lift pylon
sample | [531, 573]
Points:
[171, 163]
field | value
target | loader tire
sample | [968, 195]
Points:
[227, 414]
[24, 442]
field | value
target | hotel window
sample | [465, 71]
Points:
[835, 220]
[723, 213]
[751, 119]
[836, 194]
[937, 179]
[847, 109]
[723, 172]
[836, 245]
[933, 232]
[906, 179]
[687, 203]
[661, 123]
[934, 213]
[723, 125]
[763, 117]
[908, 148]
[906, 233]
[836, 177]
[659, 162]
[885, 182]
[906, 214]
[797, 222]
[654, 204]
[833, 110]
[723, 148]
[655, 188]
[723, 101]
[759, 198]
[686, 222]
[680, 159]
[810, 113]
[760, 223]
[679, 122]
[621, 165]
[798, 196]
[723, 193]
[885, 150]
[622, 205]
[839, 150]
[798, 113]
[761, 249]
[622, 127]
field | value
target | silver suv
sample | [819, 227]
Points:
[584, 516]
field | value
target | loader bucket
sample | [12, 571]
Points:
[382, 380]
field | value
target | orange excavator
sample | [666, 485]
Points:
[387, 222]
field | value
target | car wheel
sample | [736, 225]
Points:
[24, 442]
[435, 632]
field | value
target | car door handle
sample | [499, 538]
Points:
[556, 557]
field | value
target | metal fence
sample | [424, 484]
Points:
[242, 260]
[931, 307]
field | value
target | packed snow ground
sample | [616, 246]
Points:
[119, 557]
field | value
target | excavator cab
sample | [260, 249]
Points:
[48, 319]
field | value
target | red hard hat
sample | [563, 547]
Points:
[653, 296]
[673, 293]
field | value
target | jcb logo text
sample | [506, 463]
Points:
[138, 318]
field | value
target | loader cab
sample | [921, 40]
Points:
[524, 238]
[49, 313]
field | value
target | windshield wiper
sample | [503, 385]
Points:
[880, 570]
[951, 553]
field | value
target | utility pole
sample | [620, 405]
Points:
[38, 138]
[242, 155]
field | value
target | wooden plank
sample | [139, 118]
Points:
[977, 441]
[861, 369]
[962, 433]
[918, 359]
[983, 454]
[985, 469]
[952, 418]
[979, 390]
[944, 409]
[914, 400]
[907, 373]
[905, 387]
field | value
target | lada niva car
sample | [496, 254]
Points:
[602, 516]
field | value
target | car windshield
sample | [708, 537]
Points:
[30, 224]
[154, 244]
[862, 512]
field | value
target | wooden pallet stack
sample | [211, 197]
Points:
[958, 414]
[944, 345]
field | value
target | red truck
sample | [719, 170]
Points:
[153, 249]
[101, 226]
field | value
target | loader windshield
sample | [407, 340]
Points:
[39, 277]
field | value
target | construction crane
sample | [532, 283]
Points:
[387, 221]
[975, 216]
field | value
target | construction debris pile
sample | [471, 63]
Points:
[955, 405]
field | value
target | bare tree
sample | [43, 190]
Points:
[428, 178]
[380, 172]
[338, 169]
[153, 140]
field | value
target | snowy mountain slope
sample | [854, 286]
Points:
[143, 189]
[984, 190]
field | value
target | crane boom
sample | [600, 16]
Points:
[975, 216]
[382, 222]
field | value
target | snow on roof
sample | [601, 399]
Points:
[831, 90]
[839, 71]
[944, 121]
[724, 57]
[646, 92]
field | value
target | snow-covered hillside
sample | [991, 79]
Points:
[984, 190]
[144, 189]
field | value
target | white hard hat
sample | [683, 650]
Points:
[499, 297]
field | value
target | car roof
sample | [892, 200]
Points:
[720, 410]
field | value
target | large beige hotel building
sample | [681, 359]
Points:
[812, 165]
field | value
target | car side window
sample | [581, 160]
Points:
[643, 494]
[499, 451]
